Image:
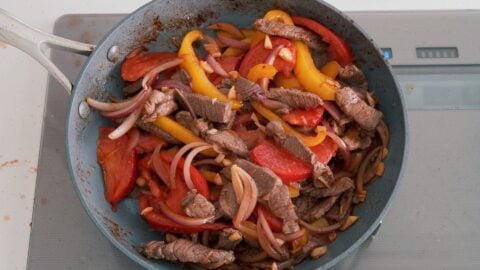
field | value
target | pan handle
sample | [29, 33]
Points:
[35, 42]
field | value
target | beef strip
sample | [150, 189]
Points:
[276, 28]
[339, 186]
[273, 193]
[228, 239]
[225, 85]
[348, 101]
[152, 128]
[197, 206]
[247, 90]
[227, 201]
[320, 208]
[209, 108]
[355, 139]
[185, 251]
[341, 210]
[352, 76]
[294, 98]
[322, 175]
[303, 204]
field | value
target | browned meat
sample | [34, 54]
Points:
[320, 208]
[348, 101]
[355, 139]
[247, 90]
[303, 204]
[272, 191]
[151, 128]
[275, 28]
[209, 108]
[265, 179]
[158, 104]
[182, 76]
[228, 140]
[184, 118]
[352, 76]
[339, 186]
[225, 85]
[132, 88]
[185, 251]
[195, 205]
[227, 201]
[228, 239]
[276, 106]
[341, 210]
[294, 98]
[322, 174]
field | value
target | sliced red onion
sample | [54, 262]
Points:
[178, 156]
[265, 244]
[269, 61]
[229, 28]
[172, 84]
[208, 161]
[217, 68]
[342, 146]
[327, 125]
[139, 100]
[159, 166]
[152, 74]
[188, 164]
[237, 185]
[133, 138]
[109, 106]
[323, 230]
[268, 231]
[332, 109]
[252, 186]
[245, 230]
[291, 236]
[212, 47]
[233, 42]
[126, 125]
[184, 220]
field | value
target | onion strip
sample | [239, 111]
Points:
[265, 244]
[126, 125]
[248, 181]
[229, 28]
[291, 236]
[172, 84]
[343, 147]
[217, 68]
[233, 42]
[322, 230]
[178, 156]
[362, 169]
[332, 109]
[269, 61]
[268, 231]
[180, 219]
[188, 164]
[138, 101]
[237, 183]
[109, 106]
[159, 168]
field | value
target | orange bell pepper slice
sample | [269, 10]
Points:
[287, 82]
[307, 140]
[331, 69]
[200, 82]
[312, 79]
[261, 71]
[278, 15]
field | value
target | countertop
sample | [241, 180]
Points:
[23, 100]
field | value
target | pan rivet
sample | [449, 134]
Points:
[113, 54]
[83, 109]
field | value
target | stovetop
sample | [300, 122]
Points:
[434, 219]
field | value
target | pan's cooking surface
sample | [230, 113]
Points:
[432, 222]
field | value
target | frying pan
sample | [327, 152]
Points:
[155, 24]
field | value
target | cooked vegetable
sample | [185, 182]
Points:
[235, 159]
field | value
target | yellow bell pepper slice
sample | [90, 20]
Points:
[261, 71]
[278, 15]
[307, 140]
[331, 69]
[287, 82]
[248, 32]
[257, 37]
[179, 132]
[232, 52]
[200, 82]
[293, 191]
[309, 76]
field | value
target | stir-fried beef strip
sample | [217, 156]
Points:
[276, 28]
[339, 186]
[355, 138]
[349, 102]
[209, 108]
[273, 193]
[227, 201]
[294, 98]
[247, 90]
[319, 209]
[342, 208]
[322, 174]
[228, 239]
[186, 251]
[153, 129]
[303, 204]
[352, 76]
[196, 205]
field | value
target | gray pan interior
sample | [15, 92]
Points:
[166, 19]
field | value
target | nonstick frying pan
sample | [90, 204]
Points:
[155, 25]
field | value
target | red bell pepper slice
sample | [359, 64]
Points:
[147, 143]
[137, 66]
[288, 167]
[159, 222]
[197, 178]
[342, 51]
[325, 151]
[229, 63]
[118, 164]
[258, 55]
[274, 222]
[309, 117]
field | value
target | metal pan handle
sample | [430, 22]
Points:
[35, 42]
